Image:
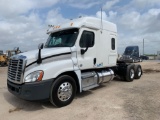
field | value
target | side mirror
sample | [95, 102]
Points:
[88, 43]
[39, 60]
[40, 46]
[83, 51]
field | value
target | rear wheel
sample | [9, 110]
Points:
[138, 71]
[63, 91]
[130, 73]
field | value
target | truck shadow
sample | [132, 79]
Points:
[117, 79]
[24, 105]
[89, 92]
[83, 94]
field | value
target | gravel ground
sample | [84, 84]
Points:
[116, 100]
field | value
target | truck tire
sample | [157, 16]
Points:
[130, 73]
[63, 91]
[138, 71]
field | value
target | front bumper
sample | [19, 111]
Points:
[31, 91]
[127, 60]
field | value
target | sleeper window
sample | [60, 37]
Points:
[113, 43]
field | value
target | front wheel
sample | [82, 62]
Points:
[63, 91]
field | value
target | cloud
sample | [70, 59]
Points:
[27, 31]
[44, 3]
[136, 20]
[21, 34]
[133, 27]
[152, 20]
[129, 21]
[141, 22]
[84, 5]
[22, 25]
[11, 8]
[24, 22]
[104, 15]
[154, 12]
[110, 17]
[109, 4]
[145, 3]
[54, 17]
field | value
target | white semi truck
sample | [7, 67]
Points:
[78, 55]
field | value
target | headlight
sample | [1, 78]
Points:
[34, 76]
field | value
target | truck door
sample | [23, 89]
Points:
[86, 48]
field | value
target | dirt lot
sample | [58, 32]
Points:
[116, 100]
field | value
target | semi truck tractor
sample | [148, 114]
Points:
[78, 55]
[131, 54]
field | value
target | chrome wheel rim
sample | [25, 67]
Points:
[132, 73]
[139, 71]
[64, 91]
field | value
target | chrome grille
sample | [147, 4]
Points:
[15, 70]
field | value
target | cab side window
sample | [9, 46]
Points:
[87, 39]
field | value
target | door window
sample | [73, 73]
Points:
[87, 39]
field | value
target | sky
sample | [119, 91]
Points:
[23, 23]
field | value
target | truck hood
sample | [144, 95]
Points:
[32, 56]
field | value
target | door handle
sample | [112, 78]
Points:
[94, 61]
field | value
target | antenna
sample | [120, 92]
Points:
[101, 21]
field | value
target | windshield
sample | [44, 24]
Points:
[129, 51]
[65, 38]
